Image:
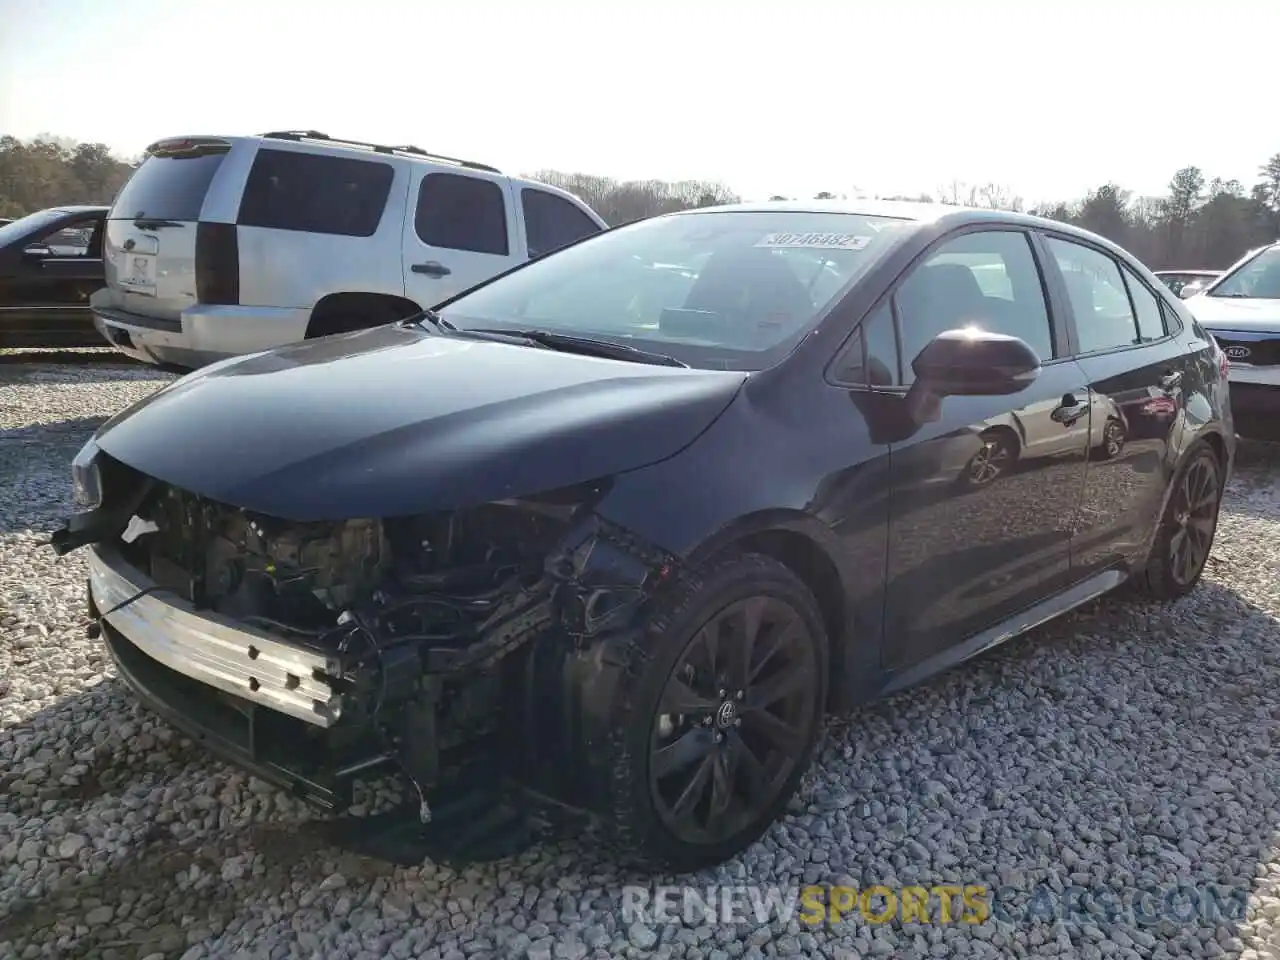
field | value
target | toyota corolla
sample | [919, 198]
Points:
[629, 531]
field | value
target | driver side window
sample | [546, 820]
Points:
[989, 280]
[77, 239]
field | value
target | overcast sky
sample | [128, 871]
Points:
[783, 96]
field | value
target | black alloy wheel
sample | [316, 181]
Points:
[1195, 516]
[1184, 537]
[714, 716]
[733, 720]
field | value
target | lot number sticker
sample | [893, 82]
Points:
[821, 241]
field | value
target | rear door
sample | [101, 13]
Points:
[1125, 340]
[463, 230]
[150, 249]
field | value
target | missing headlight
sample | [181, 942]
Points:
[86, 476]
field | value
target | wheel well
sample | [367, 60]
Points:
[1217, 445]
[340, 312]
[1005, 430]
[807, 561]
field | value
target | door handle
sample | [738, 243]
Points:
[432, 268]
[1171, 379]
[1069, 411]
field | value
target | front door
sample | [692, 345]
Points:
[985, 497]
[1127, 345]
[463, 231]
[44, 297]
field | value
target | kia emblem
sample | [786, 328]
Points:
[1237, 353]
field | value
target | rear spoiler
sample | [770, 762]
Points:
[188, 147]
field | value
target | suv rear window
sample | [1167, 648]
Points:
[288, 190]
[552, 222]
[168, 187]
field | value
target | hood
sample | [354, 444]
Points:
[396, 421]
[1231, 313]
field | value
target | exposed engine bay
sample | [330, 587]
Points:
[446, 631]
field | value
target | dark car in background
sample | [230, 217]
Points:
[50, 262]
[629, 520]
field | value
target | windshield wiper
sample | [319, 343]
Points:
[423, 317]
[143, 222]
[584, 345]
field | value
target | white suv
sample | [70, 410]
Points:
[220, 246]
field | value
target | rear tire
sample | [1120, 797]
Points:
[1185, 535]
[1113, 440]
[711, 734]
[997, 456]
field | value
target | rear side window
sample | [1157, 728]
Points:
[1099, 298]
[168, 187]
[1151, 323]
[462, 213]
[315, 193]
[552, 222]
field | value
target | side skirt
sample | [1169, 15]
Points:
[1015, 626]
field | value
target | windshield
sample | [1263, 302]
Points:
[29, 224]
[732, 290]
[1257, 278]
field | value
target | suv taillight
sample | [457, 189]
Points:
[217, 263]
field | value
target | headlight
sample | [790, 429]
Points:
[86, 478]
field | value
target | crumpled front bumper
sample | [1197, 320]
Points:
[214, 650]
[256, 702]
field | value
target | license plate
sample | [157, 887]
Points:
[137, 272]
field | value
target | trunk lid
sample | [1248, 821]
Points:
[149, 250]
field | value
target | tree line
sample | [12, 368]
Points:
[1201, 221]
[50, 171]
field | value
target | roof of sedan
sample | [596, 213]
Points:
[895, 209]
[900, 209]
[917, 213]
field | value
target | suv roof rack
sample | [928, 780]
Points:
[299, 135]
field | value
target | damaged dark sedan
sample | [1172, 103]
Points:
[625, 523]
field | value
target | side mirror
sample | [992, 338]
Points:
[1190, 290]
[969, 363]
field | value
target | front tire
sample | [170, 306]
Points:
[996, 456]
[717, 715]
[1186, 532]
[1113, 440]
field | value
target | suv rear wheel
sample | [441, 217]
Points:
[346, 314]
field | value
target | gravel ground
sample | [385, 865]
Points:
[1126, 746]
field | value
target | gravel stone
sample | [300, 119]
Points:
[1127, 746]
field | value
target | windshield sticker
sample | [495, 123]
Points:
[821, 241]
